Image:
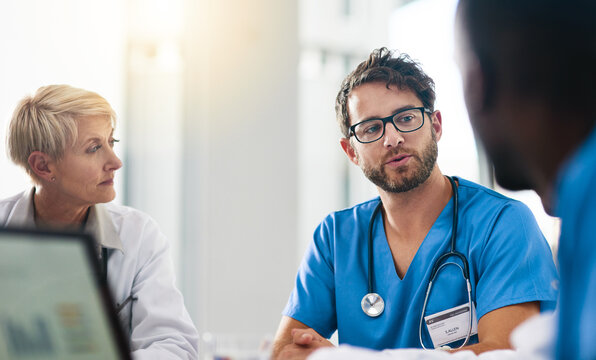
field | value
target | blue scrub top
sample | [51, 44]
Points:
[510, 263]
[576, 206]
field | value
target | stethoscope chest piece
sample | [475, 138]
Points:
[372, 304]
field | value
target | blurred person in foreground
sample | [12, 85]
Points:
[385, 109]
[529, 78]
[64, 137]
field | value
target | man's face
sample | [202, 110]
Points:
[398, 162]
[493, 121]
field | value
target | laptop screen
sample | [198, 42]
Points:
[53, 303]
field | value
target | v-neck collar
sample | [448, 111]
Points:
[438, 235]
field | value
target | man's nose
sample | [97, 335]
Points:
[392, 137]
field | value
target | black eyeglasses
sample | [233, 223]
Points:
[405, 121]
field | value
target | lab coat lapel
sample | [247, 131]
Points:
[100, 225]
[22, 213]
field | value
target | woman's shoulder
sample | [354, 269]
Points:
[8, 204]
[12, 200]
[125, 213]
[129, 220]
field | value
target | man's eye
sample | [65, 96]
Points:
[371, 129]
[405, 119]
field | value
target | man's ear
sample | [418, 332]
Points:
[475, 84]
[472, 69]
[40, 164]
[349, 150]
[437, 123]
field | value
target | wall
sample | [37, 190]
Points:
[239, 163]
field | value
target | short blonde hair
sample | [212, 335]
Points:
[46, 121]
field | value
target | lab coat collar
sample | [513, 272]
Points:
[22, 212]
[99, 223]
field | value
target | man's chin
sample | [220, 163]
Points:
[398, 186]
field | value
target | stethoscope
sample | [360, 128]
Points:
[373, 304]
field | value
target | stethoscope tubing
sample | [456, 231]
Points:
[437, 266]
[370, 248]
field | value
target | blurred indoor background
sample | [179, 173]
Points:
[227, 123]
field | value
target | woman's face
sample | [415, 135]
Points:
[85, 175]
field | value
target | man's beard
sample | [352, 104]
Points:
[424, 167]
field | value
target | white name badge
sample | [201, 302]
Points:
[451, 325]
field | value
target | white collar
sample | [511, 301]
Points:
[99, 223]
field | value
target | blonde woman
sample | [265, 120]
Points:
[63, 138]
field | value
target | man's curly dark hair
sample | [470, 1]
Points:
[382, 66]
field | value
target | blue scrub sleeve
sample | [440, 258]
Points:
[312, 301]
[577, 255]
[516, 264]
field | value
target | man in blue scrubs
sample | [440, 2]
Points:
[529, 77]
[385, 109]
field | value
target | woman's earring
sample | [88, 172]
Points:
[53, 179]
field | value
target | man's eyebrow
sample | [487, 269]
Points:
[395, 111]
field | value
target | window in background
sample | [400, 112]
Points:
[134, 62]
[154, 95]
[58, 42]
[334, 37]
[347, 7]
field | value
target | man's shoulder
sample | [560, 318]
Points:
[481, 190]
[355, 211]
[478, 198]
[488, 210]
[476, 191]
[349, 219]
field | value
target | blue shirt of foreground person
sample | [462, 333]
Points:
[535, 114]
[576, 205]
[385, 109]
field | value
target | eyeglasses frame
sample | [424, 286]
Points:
[389, 119]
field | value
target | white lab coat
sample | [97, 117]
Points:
[139, 264]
